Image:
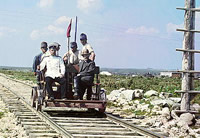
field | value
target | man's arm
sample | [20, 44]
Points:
[34, 68]
[43, 64]
[92, 56]
[65, 57]
[62, 68]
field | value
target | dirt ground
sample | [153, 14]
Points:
[9, 127]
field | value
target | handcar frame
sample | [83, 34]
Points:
[39, 96]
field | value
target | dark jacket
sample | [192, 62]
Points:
[86, 68]
[86, 71]
[36, 62]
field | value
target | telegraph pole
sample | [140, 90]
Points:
[188, 50]
[188, 57]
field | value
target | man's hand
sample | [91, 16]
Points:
[62, 75]
[65, 58]
[35, 73]
[38, 67]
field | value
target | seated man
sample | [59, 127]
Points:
[85, 78]
[55, 71]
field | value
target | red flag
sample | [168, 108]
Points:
[69, 28]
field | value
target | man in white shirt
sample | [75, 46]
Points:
[86, 45]
[55, 70]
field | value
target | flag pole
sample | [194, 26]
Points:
[68, 37]
[75, 30]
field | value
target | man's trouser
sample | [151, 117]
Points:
[38, 79]
[61, 81]
[80, 88]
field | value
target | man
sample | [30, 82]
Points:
[55, 71]
[85, 78]
[37, 61]
[48, 53]
[73, 55]
[86, 45]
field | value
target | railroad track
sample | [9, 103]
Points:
[65, 123]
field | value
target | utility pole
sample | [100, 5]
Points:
[188, 57]
[188, 50]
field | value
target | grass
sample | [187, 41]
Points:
[21, 75]
[114, 82]
[1, 114]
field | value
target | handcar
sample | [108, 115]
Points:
[39, 95]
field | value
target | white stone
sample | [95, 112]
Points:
[122, 89]
[106, 73]
[162, 103]
[165, 95]
[196, 107]
[114, 95]
[166, 112]
[137, 102]
[151, 93]
[187, 118]
[175, 99]
[144, 107]
[127, 94]
[138, 93]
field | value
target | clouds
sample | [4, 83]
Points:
[87, 6]
[62, 20]
[58, 27]
[142, 30]
[5, 31]
[171, 28]
[45, 3]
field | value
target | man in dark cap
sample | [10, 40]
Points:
[37, 60]
[73, 55]
[86, 45]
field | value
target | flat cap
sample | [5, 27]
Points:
[54, 44]
[44, 45]
[73, 44]
[83, 36]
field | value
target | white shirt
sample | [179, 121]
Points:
[74, 57]
[54, 65]
[89, 48]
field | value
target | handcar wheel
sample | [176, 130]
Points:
[33, 97]
[102, 110]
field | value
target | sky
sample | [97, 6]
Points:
[123, 33]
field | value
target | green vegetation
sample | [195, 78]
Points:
[158, 84]
[1, 114]
[114, 82]
[21, 75]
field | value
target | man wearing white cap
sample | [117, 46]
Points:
[55, 70]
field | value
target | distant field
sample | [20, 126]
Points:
[15, 68]
[121, 71]
[132, 71]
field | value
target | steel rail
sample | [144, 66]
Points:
[133, 127]
[64, 133]
[43, 117]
